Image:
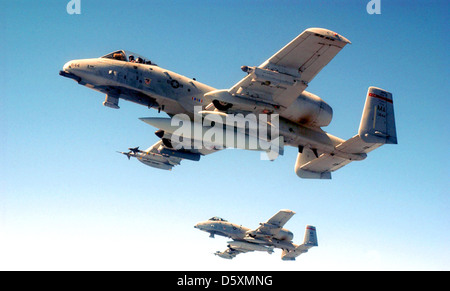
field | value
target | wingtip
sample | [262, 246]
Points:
[328, 33]
[150, 120]
[288, 211]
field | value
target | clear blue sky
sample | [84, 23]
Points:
[69, 201]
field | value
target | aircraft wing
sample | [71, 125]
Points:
[280, 219]
[273, 225]
[281, 79]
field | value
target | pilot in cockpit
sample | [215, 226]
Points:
[139, 60]
[119, 56]
[131, 59]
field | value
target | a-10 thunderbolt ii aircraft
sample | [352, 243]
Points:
[265, 237]
[276, 88]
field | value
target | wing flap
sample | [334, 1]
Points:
[357, 145]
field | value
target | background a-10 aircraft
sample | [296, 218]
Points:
[265, 237]
[277, 86]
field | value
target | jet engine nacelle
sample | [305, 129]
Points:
[309, 109]
[284, 234]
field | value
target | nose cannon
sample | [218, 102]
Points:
[66, 72]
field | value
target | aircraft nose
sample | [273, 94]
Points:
[199, 225]
[68, 72]
[67, 67]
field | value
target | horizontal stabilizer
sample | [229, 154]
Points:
[308, 166]
[321, 167]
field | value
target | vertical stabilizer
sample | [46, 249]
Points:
[378, 121]
[310, 236]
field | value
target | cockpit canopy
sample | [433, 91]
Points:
[127, 56]
[216, 218]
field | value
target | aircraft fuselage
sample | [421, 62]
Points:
[120, 76]
[155, 87]
[144, 84]
[223, 228]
